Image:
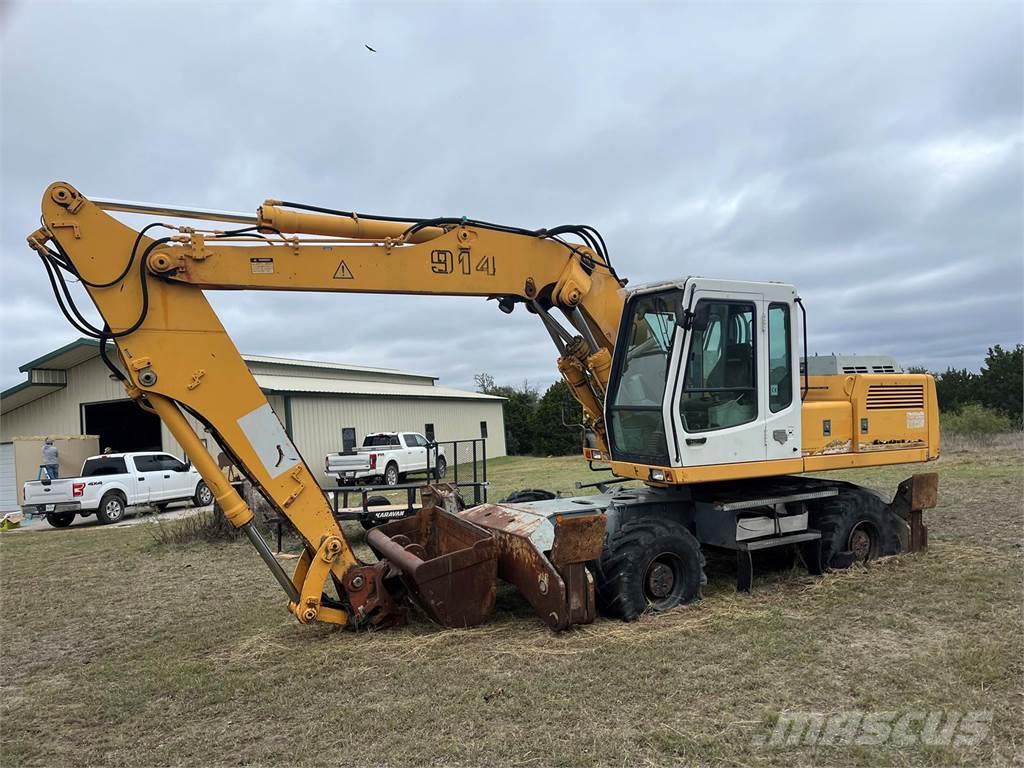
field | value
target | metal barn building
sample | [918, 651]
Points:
[69, 392]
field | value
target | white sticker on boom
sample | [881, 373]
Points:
[915, 419]
[269, 440]
[263, 265]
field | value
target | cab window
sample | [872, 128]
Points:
[645, 364]
[104, 465]
[645, 350]
[780, 361]
[720, 384]
[170, 464]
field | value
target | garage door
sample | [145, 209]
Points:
[8, 487]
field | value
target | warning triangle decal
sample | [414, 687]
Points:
[343, 272]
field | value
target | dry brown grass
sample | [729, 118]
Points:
[116, 652]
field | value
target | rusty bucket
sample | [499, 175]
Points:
[448, 564]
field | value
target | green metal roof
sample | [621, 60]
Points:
[55, 355]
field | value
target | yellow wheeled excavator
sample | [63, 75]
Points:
[699, 388]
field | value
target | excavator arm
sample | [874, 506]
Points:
[179, 362]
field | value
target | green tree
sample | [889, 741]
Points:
[519, 407]
[556, 408]
[1001, 383]
[956, 388]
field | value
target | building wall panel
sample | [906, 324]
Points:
[318, 421]
[59, 412]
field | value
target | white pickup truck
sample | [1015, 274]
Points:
[111, 483]
[387, 457]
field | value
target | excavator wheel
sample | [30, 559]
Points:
[856, 526]
[649, 564]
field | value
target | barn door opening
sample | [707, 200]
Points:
[122, 426]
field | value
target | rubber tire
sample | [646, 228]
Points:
[389, 471]
[103, 515]
[441, 468]
[627, 555]
[526, 495]
[202, 490]
[60, 519]
[374, 501]
[838, 516]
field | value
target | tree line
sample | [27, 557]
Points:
[998, 386]
[537, 424]
[548, 424]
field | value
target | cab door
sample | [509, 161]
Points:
[718, 404]
[781, 372]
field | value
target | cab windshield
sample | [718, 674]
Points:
[637, 425]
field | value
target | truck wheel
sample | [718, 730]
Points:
[203, 496]
[441, 468]
[650, 564]
[391, 474]
[856, 526]
[111, 508]
[374, 501]
[60, 519]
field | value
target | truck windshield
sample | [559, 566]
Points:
[648, 332]
[104, 465]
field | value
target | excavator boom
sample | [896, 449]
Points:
[179, 362]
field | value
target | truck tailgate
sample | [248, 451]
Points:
[355, 462]
[54, 492]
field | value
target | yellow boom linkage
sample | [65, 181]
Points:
[178, 356]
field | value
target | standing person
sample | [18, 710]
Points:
[51, 459]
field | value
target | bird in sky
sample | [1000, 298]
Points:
[371, 50]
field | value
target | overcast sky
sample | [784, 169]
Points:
[871, 154]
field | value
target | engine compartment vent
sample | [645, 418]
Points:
[895, 396]
[871, 369]
[848, 365]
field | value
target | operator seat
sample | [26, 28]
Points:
[739, 365]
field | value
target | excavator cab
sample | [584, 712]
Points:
[704, 376]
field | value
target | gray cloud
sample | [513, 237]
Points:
[871, 155]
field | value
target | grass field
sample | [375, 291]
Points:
[116, 651]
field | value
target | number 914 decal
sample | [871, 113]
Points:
[447, 263]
